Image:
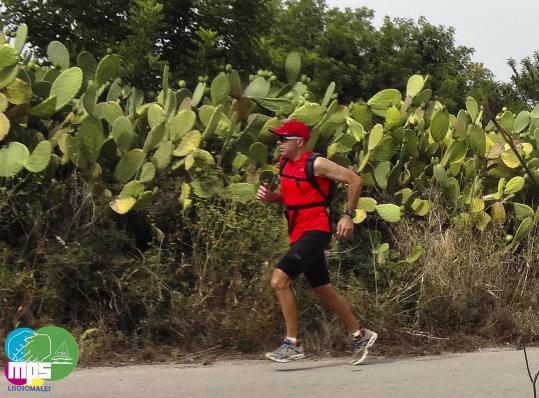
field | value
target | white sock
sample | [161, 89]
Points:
[291, 339]
[357, 333]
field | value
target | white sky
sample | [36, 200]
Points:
[496, 29]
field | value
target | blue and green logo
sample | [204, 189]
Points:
[35, 356]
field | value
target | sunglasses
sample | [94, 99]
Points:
[282, 139]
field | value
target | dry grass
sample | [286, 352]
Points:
[468, 282]
[208, 286]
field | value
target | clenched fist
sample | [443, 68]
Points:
[266, 195]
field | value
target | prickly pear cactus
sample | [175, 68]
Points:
[214, 135]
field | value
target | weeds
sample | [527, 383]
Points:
[140, 283]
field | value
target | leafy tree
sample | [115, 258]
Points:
[207, 55]
[344, 52]
[333, 43]
[483, 87]
[142, 62]
[239, 24]
[197, 37]
[526, 77]
[300, 24]
[177, 41]
[144, 32]
[406, 47]
[343, 46]
[81, 25]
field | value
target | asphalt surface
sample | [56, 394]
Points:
[491, 373]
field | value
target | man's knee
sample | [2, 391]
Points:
[280, 280]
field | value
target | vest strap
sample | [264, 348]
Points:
[306, 206]
[295, 178]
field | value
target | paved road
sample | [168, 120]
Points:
[480, 374]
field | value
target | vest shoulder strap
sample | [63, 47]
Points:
[309, 174]
[309, 167]
[282, 163]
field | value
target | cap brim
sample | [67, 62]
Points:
[276, 131]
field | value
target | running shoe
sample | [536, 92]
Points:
[361, 346]
[287, 352]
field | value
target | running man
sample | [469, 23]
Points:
[306, 198]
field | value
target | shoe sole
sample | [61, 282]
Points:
[284, 360]
[366, 351]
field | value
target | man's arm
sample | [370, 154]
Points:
[326, 168]
[265, 194]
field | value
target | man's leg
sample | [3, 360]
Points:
[362, 339]
[280, 282]
[340, 305]
[291, 348]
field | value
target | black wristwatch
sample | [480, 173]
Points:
[351, 213]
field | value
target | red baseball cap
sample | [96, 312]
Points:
[293, 128]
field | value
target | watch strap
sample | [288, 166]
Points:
[351, 213]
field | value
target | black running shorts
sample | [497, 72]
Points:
[307, 255]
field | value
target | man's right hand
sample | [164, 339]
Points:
[265, 194]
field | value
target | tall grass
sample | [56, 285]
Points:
[162, 280]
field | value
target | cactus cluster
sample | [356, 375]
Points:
[401, 145]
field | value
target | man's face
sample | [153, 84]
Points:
[288, 146]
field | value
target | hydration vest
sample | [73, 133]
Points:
[324, 196]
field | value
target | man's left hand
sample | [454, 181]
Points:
[345, 227]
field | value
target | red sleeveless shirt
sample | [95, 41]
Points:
[296, 191]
